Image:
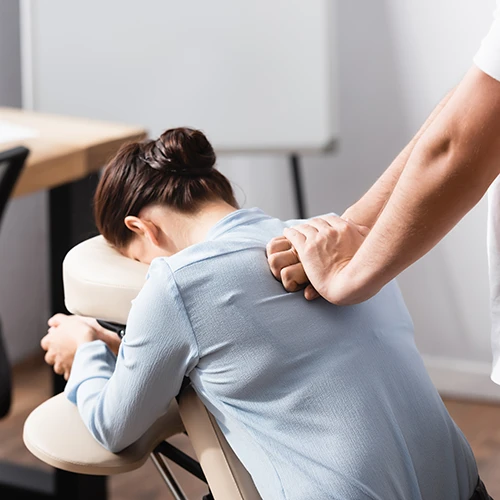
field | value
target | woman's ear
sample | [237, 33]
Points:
[134, 224]
[142, 227]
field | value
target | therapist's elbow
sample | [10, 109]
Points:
[437, 152]
[461, 150]
[449, 158]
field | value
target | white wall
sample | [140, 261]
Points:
[397, 58]
[23, 256]
[419, 50]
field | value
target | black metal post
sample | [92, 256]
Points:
[181, 459]
[298, 186]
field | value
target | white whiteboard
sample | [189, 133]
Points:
[255, 75]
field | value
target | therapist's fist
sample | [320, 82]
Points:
[287, 268]
[324, 246]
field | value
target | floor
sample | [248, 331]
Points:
[480, 422]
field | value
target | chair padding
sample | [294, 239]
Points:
[55, 433]
[100, 282]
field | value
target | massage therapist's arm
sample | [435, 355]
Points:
[449, 170]
[283, 260]
[120, 397]
[367, 210]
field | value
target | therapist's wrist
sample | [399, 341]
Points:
[350, 286]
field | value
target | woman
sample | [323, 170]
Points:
[318, 401]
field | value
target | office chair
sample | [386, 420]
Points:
[11, 165]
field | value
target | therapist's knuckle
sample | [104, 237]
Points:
[321, 238]
[332, 233]
[271, 247]
[275, 263]
[288, 278]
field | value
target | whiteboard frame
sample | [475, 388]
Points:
[28, 85]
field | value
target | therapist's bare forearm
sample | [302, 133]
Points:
[367, 210]
[447, 173]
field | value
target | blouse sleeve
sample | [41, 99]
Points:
[119, 398]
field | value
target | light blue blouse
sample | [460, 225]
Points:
[318, 401]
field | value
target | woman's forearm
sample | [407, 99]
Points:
[446, 175]
[367, 210]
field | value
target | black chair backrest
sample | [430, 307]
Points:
[11, 165]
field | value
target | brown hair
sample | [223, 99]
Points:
[176, 170]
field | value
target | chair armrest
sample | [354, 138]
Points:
[55, 433]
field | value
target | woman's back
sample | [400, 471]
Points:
[318, 401]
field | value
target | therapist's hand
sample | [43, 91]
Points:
[287, 268]
[325, 246]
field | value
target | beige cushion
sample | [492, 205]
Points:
[55, 433]
[100, 282]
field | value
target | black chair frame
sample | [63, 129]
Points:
[11, 165]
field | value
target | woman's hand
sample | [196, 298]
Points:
[66, 334]
[325, 246]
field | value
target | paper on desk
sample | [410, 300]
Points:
[10, 132]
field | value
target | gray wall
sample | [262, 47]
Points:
[10, 54]
[23, 240]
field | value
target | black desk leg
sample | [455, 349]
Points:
[71, 222]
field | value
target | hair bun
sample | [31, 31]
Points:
[182, 151]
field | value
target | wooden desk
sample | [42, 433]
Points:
[65, 156]
[66, 149]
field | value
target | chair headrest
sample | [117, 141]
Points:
[100, 282]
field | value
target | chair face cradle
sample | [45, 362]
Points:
[101, 283]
